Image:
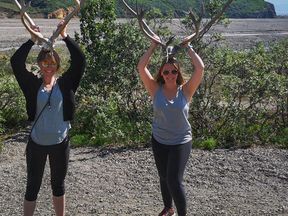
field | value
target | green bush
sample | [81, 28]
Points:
[243, 97]
[281, 138]
[12, 103]
[113, 106]
[99, 122]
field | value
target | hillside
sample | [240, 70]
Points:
[39, 8]
[239, 9]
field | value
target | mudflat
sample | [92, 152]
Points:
[240, 33]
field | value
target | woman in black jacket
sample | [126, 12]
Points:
[50, 105]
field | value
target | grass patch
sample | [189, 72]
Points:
[8, 6]
[207, 144]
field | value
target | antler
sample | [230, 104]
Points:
[172, 50]
[42, 41]
[143, 25]
[25, 18]
[197, 27]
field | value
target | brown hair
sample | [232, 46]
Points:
[176, 65]
[45, 55]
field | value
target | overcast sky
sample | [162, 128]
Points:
[281, 6]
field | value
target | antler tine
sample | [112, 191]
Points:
[143, 25]
[31, 22]
[25, 17]
[150, 34]
[79, 3]
[197, 27]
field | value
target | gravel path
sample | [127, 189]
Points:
[124, 182]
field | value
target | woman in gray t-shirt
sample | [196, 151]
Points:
[171, 130]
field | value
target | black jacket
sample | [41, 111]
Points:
[68, 82]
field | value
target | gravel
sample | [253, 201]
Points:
[124, 181]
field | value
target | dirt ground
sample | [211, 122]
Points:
[241, 33]
[122, 181]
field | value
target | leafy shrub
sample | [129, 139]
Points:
[243, 97]
[281, 138]
[12, 103]
[100, 122]
[113, 104]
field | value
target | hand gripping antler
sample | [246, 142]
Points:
[170, 50]
[41, 40]
[198, 33]
[79, 3]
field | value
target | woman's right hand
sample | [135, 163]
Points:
[157, 38]
[36, 29]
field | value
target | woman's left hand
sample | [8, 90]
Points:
[63, 33]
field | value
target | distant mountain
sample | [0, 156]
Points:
[39, 8]
[239, 9]
[251, 9]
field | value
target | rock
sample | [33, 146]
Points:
[60, 13]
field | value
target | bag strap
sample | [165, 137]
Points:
[47, 103]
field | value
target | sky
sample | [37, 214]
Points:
[281, 6]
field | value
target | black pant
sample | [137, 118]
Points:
[171, 161]
[36, 156]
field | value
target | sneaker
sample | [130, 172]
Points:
[167, 212]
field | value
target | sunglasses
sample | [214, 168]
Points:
[45, 65]
[166, 72]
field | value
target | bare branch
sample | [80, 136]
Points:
[215, 18]
[197, 22]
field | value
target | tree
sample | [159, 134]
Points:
[113, 103]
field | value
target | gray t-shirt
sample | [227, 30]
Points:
[170, 123]
[50, 128]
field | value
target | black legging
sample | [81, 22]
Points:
[171, 161]
[36, 156]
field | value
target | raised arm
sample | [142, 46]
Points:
[18, 62]
[19, 58]
[193, 83]
[77, 60]
[150, 83]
